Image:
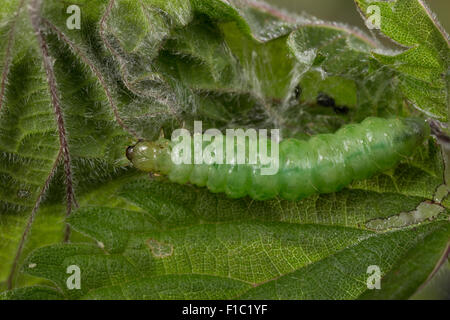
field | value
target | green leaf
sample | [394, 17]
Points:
[29, 149]
[424, 63]
[414, 269]
[71, 101]
[176, 234]
[32, 293]
[343, 276]
[437, 287]
[32, 136]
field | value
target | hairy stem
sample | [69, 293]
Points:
[95, 70]
[48, 66]
[10, 280]
[8, 56]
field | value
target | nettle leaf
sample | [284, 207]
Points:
[72, 100]
[55, 122]
[182, 242]
[156, 240]
[424, 64]
[29, 148]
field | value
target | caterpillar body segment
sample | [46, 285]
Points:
[325, 163]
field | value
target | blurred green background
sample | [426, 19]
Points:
[345, 10]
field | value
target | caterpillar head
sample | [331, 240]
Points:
[151, 156]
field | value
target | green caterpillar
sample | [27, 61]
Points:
[325, 163]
